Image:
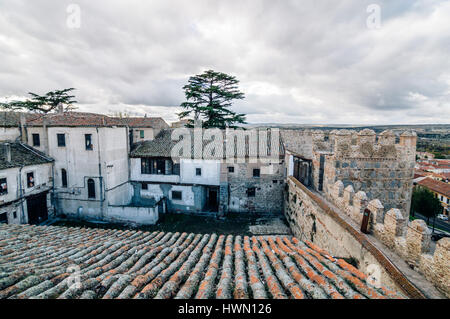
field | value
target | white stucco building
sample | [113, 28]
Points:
[26, 183]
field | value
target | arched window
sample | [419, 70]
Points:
[91, 188]
[63, 177]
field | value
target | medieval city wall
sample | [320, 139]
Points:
[311, 219]
[409, 240]
[377, 165]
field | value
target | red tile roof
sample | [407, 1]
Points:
[436, 186]
[81, 119]
[125, 264]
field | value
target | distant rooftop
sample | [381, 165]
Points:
[10, 119]
[436, 186]
[34, 263]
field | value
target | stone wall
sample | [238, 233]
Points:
[377, 165]
[311, 219]
[410, 240]
[268, 186]
[134, 215]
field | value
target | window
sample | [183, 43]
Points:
[141, 133]
[36, 139]
[144, 186]
[30, 179]
[230, 169]
[256, 172]
[176, 169]
[91, 188]
[177, 195]
[3, 186]
[251, 192]
[15, 214]
[275, 181]
[198, 172]
[3, 218]
[63, 178]
[154, 166]
[88, 142]
[61, 140]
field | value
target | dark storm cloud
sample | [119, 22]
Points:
[298, 61]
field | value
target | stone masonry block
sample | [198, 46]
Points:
[377, 210]
[418, 240]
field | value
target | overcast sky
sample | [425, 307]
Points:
[309, 62]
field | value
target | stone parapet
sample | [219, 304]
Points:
[410, 240]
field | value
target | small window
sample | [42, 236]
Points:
[63, 178]
[230, 169]
[176, 169]
[3, 218]
[88, 142]
[30, 179]
[61, 140]
[251, 192]
[141, 133]
[15, 215]
[177, 195]
[198, 172]
[3, 186]
[36, 140]
[91, 188]
[144, 186]
[275, 181]
[256, 172]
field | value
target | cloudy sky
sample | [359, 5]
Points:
[309, 62]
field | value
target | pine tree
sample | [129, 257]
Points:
[44, 103]
[209, 96]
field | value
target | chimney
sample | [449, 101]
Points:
[8, 152]
[60, 108]
[23, 133]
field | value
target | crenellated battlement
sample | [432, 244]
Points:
[410, 240]
[365, 144]
[376, 164]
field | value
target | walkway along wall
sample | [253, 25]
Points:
[312, 219]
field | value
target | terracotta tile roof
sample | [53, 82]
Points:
[8, 119]
[34, 263]
[22, 155]
[162, 145]
[143, 122]
[436, 186]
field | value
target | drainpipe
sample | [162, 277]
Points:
[8, 152]
[100, 174]
[45, 137]
[19, 193]
[53, 197]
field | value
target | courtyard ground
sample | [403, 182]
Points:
[232, 224]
